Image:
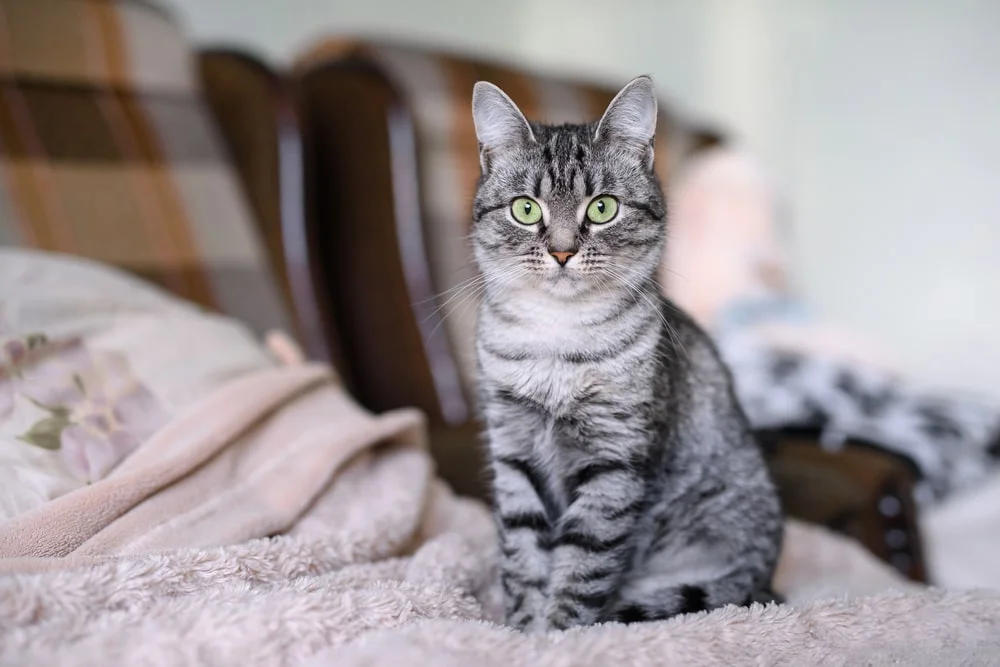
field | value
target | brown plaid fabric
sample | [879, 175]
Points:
[437, 90]
[107, 151]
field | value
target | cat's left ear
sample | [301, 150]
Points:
[631, 117]
[499, 123]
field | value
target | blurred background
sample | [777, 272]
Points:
[878, 122]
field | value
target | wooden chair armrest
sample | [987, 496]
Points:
[859, 491]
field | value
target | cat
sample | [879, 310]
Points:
[627, 484]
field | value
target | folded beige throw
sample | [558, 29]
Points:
[170, 560]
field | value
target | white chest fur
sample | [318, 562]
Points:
[530, 356]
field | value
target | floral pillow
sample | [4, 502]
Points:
[92, 363]
[89, 406]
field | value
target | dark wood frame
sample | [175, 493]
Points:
[291, 246]
[385, 272]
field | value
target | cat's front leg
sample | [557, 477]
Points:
[523, 508]
[594, 540]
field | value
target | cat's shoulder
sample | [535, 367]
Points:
[686, 339]
[682, 324]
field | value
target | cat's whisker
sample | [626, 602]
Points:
[457, 292]
[470, 296]
[451, 293]
[451, 289]
[656, 306]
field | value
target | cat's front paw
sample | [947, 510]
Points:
[525, 621]
[530, 623]
[525, 610]
[560, 620]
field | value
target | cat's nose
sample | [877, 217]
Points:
[562, 256]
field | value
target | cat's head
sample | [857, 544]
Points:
[569, 209]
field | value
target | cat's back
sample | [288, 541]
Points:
[694, 390]
[718, 472]
[687, 352]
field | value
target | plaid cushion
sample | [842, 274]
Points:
[437, 90]
[107, 151]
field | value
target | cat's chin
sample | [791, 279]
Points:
[565, 286]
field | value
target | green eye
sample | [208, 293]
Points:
[602, 209]
[526, 210]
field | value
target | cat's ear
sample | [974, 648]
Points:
[631, 116]
[499, 123]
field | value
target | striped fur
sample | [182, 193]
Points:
[627, 484]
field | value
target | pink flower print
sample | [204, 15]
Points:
[12, 354]
[52, 376]
[98, 411]
[7, 353]
[6, 394]
[106, 431]
[115, 415]
[15, 351]
[138, 414]
[88, 453]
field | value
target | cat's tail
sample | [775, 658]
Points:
[652, 604]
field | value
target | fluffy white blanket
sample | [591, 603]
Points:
[387, 567]
[263, 518]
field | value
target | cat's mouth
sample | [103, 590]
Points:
[565, 281]
[561, 275]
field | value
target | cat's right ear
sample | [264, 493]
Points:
[499, 123]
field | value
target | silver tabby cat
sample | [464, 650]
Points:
[626, 481]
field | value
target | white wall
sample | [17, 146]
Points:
[882, 120]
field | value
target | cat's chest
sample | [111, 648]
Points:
[549, 381]
[533, 358]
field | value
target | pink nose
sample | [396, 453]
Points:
[561, 256]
